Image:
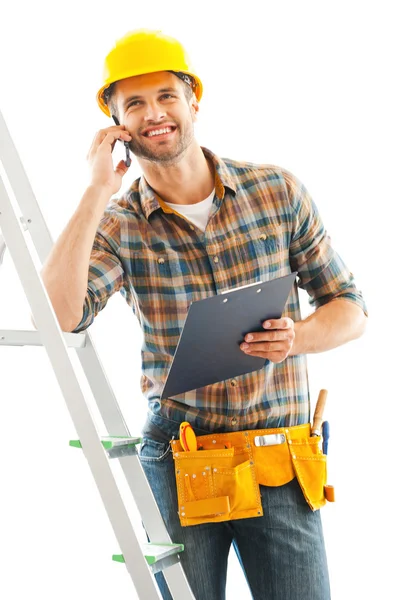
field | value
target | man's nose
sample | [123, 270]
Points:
[154, 112]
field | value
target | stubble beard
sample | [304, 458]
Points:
[162, 155]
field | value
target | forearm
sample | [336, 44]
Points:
[65, 272]
[330, 326]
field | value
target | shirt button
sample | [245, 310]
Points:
[215, 259]
[263, 236]
[233, 382]
[234, 421]
[161, 261]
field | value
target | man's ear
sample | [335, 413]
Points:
[194, 108]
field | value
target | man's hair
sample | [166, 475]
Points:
[108, 95]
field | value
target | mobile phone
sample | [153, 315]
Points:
[128, 161]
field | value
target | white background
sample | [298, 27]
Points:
[310, 86]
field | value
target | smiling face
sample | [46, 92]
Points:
[158, 115]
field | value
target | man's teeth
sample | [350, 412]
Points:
[159, 131]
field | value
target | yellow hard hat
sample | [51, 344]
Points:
[145, 51]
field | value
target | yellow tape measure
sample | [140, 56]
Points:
[188, 438]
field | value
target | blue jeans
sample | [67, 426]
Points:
[282, 552]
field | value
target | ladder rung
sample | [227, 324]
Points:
[154, 552]
[114, 441]
[16, 337]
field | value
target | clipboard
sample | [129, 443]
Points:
[208, 350]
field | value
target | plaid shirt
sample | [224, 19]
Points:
[263, 224]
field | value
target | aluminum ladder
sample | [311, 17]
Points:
[142, 561]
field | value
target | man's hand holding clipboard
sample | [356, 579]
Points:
[274, 344]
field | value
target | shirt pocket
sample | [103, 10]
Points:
[163, 288]
[158, 268]
[262, 252]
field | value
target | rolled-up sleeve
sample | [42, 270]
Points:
[321, 270]
[106, 274]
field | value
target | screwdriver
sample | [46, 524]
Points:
[326, 436]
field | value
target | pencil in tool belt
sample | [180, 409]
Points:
[318, 413]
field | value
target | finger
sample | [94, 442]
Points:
[111, 138]
[103, 132]
[121, 168]
[116, 132]
[284, 323]
[274, 357]
[266, 347]
[270, 336]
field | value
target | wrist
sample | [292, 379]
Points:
[297, 346]
[99, 190]
[96, 198]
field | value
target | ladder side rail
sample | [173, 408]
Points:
[57, 351]
[2, 248]
[24, 194]
[132, 469]
[115, 425]
[34, 222]
[101, 389]
[131, 466]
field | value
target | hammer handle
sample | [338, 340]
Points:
[318, 413]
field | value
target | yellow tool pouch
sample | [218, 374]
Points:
[221, 481]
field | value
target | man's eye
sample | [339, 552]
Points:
[167, 96]
[133, 103]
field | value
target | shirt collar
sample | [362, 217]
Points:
[150, 200]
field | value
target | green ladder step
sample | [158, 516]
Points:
[154, 552]
[114, 441]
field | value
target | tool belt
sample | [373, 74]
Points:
[220, 481]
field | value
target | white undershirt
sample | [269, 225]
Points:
[196, 213]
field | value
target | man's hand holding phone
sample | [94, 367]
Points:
[100, 158]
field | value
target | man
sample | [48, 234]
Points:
[191, 227]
